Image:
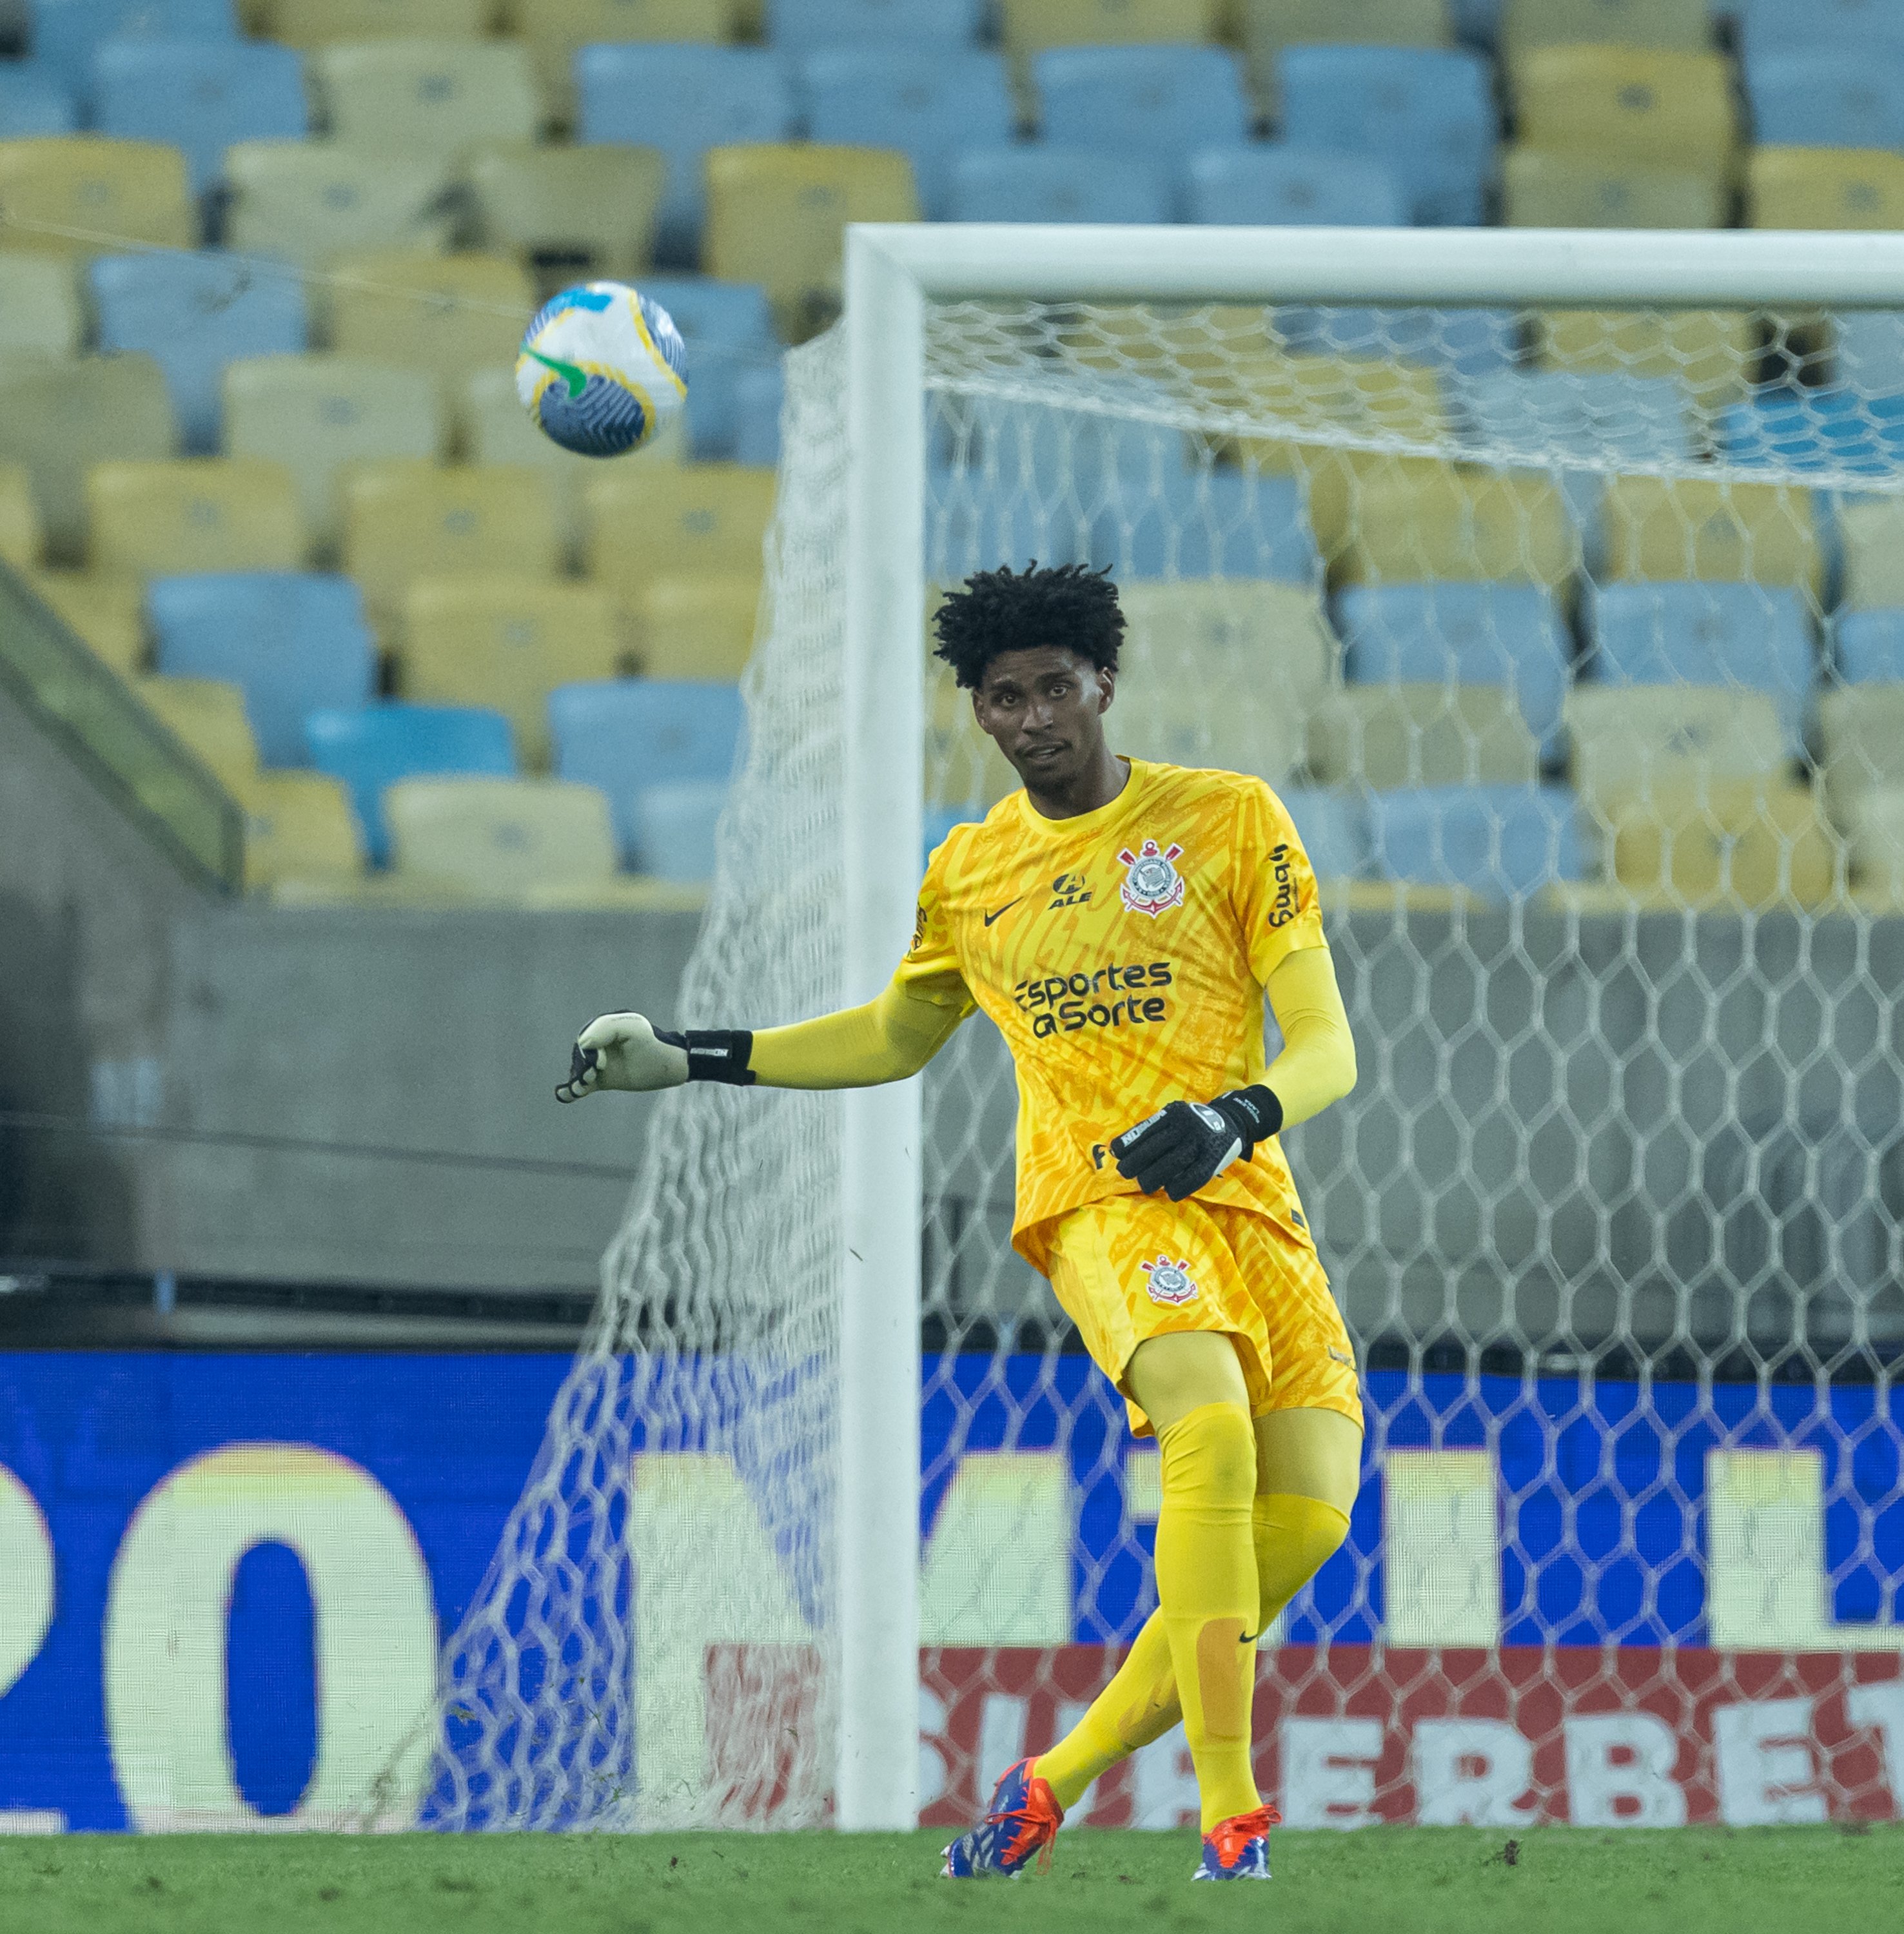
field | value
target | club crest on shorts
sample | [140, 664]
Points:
[1168, 1281]
[1152, 885]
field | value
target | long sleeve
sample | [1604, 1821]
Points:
[889, 1038]
[1317, 1064]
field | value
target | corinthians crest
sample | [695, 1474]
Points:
[1153, 884]
[1168, 1281]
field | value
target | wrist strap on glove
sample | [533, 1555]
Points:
[1255, 1113]
[716, 1054]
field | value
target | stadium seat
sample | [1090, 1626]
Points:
[108, 613]
[1428, 111]
[293, 643]
[1872, 25]
[1712, 352]
[499, 837]
[1824, 187]
[299, 826]
[39, 303]
[1542, 417]
[1268, 26]
[1498, 841]
[376, 747]
[1415, 519]
[1662, 529]
[1162, 102]
[1415, 735]
[728, 328]
[317, 23]
[675, 829]
[1826, 97]
[505, 643]
[683, 99]
[1282, 185]
[1750, 843]
[777, 215]
[1877, 847]
[1628, 739]
[1464, 635]
[1829, 431]
[1026, 26]
[1542, 190]
[1871, 537]
[1044, 184]
[122, 191]
[66, 33]
[311, 201]
[1467, 343]
[573, 212]
[1868, 646]
[209, 715]
[443, 315]
[316, 414]
[22, 535]
[760, 397]
[1861, 730]
[200, 96]
[1202, 522]
[434, 98]
[404, 520]
[193, 314]
[1748, 636]
[976, 521]
[927, 101]
[201, 514]
[710, 518]
[34, 100]
[569, 24]
[694, 625]
[942, 26]
[634, 732]
[1649, 106]
[1333, 828]
[1868, 349]
[1685, 25]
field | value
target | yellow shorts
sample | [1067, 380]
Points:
[1136, 1266]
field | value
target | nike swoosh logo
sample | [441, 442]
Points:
[1248, 1638]
[577, 379]
[1002, 911]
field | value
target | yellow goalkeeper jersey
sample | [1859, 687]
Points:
[1122, 955]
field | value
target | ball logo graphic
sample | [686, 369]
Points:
[602, 369]
[1167, 1282]
[1153, 884]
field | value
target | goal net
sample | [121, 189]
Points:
[1572, 635]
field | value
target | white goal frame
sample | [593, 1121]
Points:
[891, 273]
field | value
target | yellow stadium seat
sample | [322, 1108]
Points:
[505, 643]
[777, 214]
[208, 716]
[1871, 532]
[704, 518]
[317, 23]
[39, 303]
[316, 414]
[108, 613]
[1540, 190]
[1668, 529]
[1712, 352]
[694, 625]
[59, 416]
[298, 827]
[581, 211]
[1861, 728]
[404, 520]
[1029, 24]
[499, 838]
[311, 201]
[1877, 845]
[195, 513]
[106, 193]
[1824, 187]
[1412, 735]
[437, 97]
[1633, 740]
[1412, 520]
[443, 315]
[22, 535]
[1741, 842]
[1684, 24]
[1646, 105]
[1268, 26]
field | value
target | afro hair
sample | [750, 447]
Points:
[1064, 605]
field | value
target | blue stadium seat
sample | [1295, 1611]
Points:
[632, 734]
[1869, 348]
[1868, 646]
[1818, 430]
[1281, 186]
[1864, 26]
[729, 330]
[939, 821]
[927, 103]
[295, 643]
[758, 397]
[1445, 633]
[199, 95]
[1165, 102]
[977, 522]
[1196, 523]
[1334, 829]
[799, 26]
[1747, 636]
[1826, 97]
[1427, 111]
[376, 747]
[1502, 841]
[674, 830]
[1042, 184]
[683, 99]
[65, 32]
[193, 314]
[34, 99]
[1468, 343]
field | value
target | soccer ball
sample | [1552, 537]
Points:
[602, 369]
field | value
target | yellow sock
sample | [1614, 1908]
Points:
[1293, 1536]
[1138, 1706]
[1207, 1596]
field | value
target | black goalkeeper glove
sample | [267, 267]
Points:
[1186, 1144]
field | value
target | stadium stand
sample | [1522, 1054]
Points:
[1871, 544]
[1418, 519]
[372, 748]
[1861, 733]
[75, 193]
[498, 837]
[1334, 825]
[311, 202]
[728, 328]
[566, 213]
[1027, 25]
[943, 25]
[472, 313]
[1541, 190]
[299, 828]
[1655, 528]
[1751, 843]
[434, 98]
[39, 303]
[21, 535]
[1630, 740]
[107, 613]
[1492, 840]
[1764, 24]
[1824, 187]
[1868, 646]
[1685, 25]
[317, 23]
[193, 514]
[1825, 97]
[208, 716]
[1643, 106]
[34, 100]
[1198, 523]
[675, 825]
[759, 396]
[1163, 102]
[1284, 185]
[699, 626]
[67, 32]
[1399, 735]
[706, 519]
[556, 31]
[1044, 184]
[1712, 353]
[1268, 26]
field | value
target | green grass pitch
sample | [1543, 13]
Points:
[1420, 1880]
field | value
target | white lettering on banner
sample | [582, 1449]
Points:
[1329, 1772]
[1881, 1707]
[166, 1614]
[1762, 1748]
[26, 1579]
[1164, 1784]
[1637, 1789]
[1473, 1772]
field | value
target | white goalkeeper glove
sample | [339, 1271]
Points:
[627, 1051]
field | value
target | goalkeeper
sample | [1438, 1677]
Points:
[1121, 923]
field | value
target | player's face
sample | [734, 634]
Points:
[1045, 709]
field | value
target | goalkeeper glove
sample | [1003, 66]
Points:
[626, 1051]
[1186, 1144]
